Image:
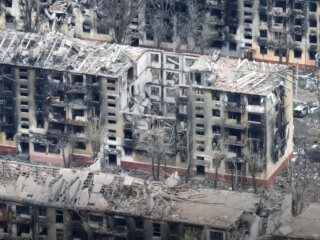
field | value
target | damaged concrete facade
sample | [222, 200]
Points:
[270, 30]
[215, 104]
[39, 202]
[52, 96]
[59, 87]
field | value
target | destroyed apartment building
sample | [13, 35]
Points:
[43, 202]
[72, 99]
[269, 30]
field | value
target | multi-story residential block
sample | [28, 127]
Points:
[43, 202]
[269, 30]
[72, 99]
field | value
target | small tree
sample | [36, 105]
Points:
[157, 142]
[30, 15]
[159, 20]
[254, 159]
[118, 15]
[186, 147]
[218, 156]
[95, 135]
[62, 145]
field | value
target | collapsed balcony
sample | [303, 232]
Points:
[234, 103]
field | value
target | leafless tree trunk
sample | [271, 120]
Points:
[118, 15]
[157, 142]
[62, 144]
[159, 20]
[255, 160]
[30, 15]
[95, 135]
[300, 180]
[218, 156]
[186, 147]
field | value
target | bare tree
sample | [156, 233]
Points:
[62, 145]
[299, 181]
[95, 134]
[157, 142]
[118, 15]
[198, 26]
[218, 156]
[186, 146]
[30, 15]
[159, 20]
[255, 160]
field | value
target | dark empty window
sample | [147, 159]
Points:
[263, 16]
[313, 39]
[216, 129]
[263, 33]
[215, 95]
[38, 147]
[263, 49]
[312, 55]
[59, 216]
[216, 235]
[216, 112]
[102, 28]
[9, 18]
[282, 52]
[22, 228]
[312, 6]
[254, 100]
[232, 46]
[8, 3]
[86, 27]
[281, 4]
[111, 121]
[80, 145]
[200, 170]
[216, 44]
[139, 223]
[200, 132]
[254, 117]
[42, 212]
[22, 210]
[96, 218]
[297, 53]
[298, 37]
[247, 36]
[156, 230]
[298, 21]
[232, 30]
[298, 5]
[313, 23]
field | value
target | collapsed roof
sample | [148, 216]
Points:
[304, 226]
[85, 189]
[62, 53]
[237, 75]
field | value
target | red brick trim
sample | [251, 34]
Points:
[8, 149]
[80, 159]
[222, 177]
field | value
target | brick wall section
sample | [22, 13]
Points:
[79, 159]
[8, 149]
[43, 158]
[222, 177]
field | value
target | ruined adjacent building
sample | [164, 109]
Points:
[66, 100]
[41, 202]
[270, 30]
[304, 226]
